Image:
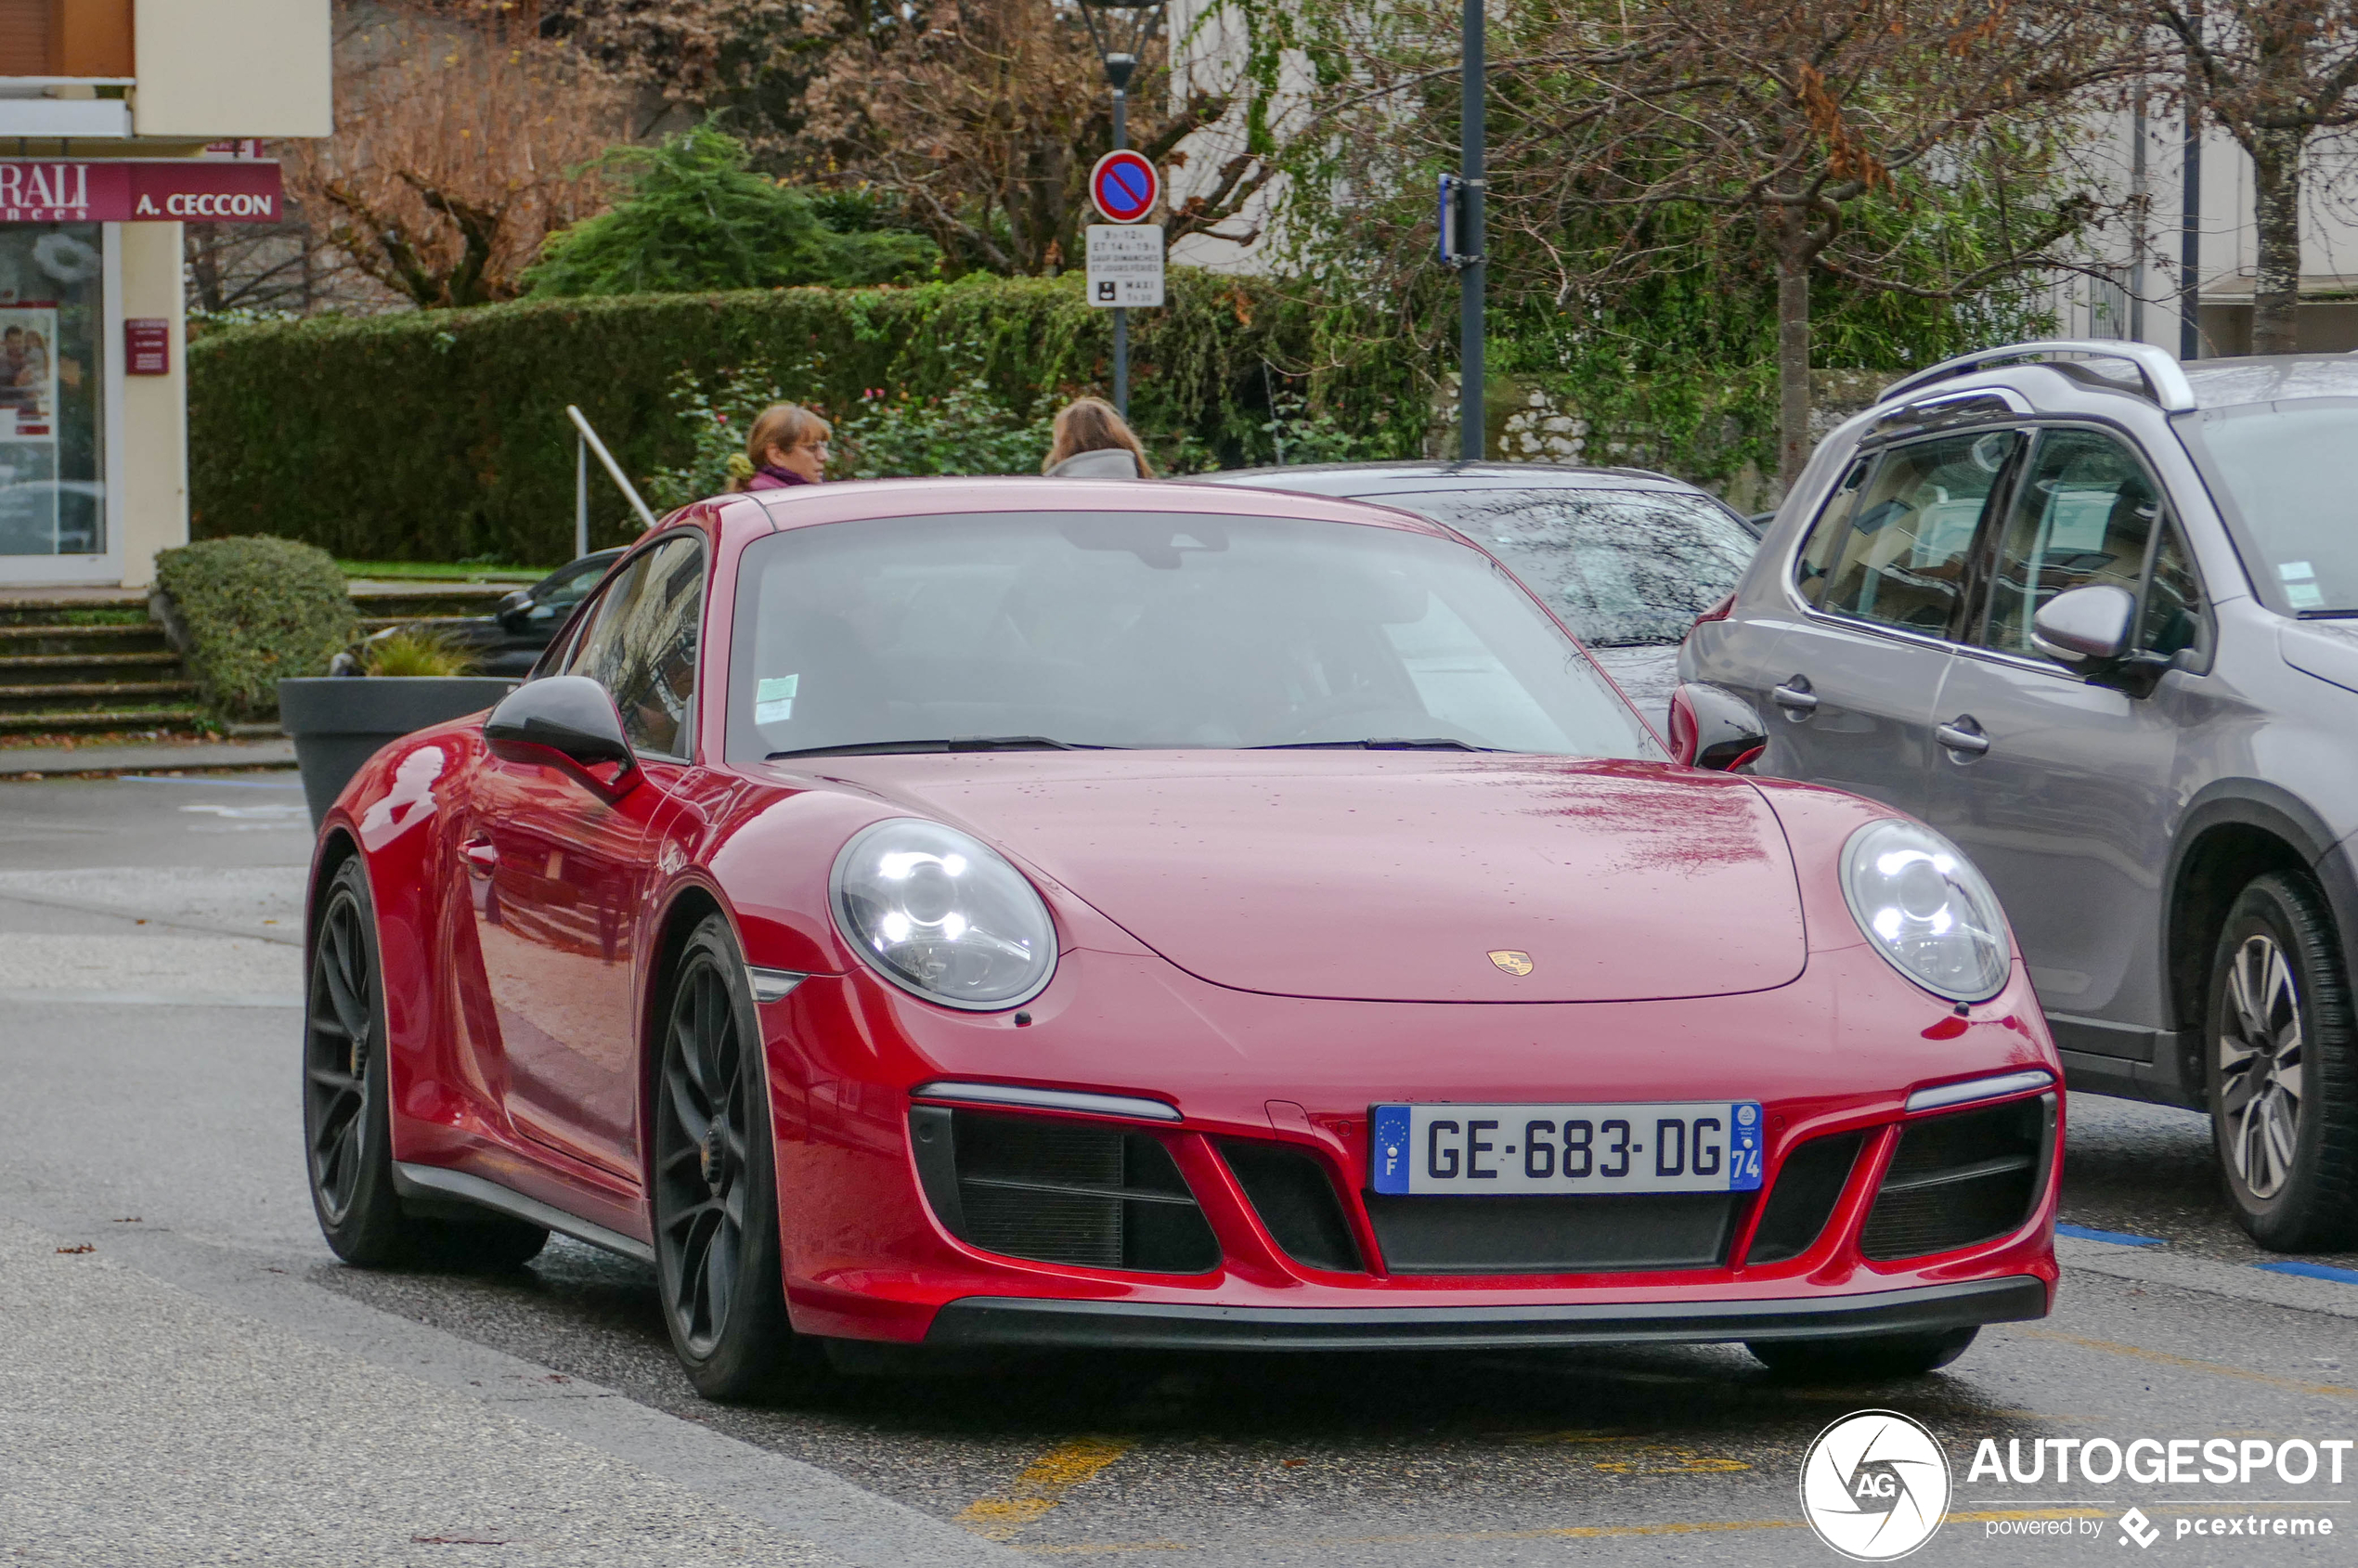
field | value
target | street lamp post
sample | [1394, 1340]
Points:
[1471, 415]
[1121, 42]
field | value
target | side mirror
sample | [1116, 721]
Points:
[1713, 728]
[514, 599]
[569, 722]
[2085, 625]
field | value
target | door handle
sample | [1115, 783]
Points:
[1795, 697]
[1962, 735]
[481, 853]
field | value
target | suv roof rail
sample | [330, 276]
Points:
[2165, 378]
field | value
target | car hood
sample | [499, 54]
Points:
[1395, 877]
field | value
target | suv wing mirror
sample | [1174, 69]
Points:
[569, 722]
[2085, 625]
[1713, 728]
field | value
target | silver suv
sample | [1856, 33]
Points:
[2093, 615]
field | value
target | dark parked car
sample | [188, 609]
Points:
[2094, 616]
[507, 642]
[1629, 558]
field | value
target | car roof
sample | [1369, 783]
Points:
[2225, 383]
[1413, 476]
[858, 501]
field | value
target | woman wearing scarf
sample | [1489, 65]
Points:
[787, 446]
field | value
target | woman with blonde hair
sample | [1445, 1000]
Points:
[787, 446]
[1091, 442]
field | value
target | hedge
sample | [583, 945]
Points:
[442, 435]
[254, 612]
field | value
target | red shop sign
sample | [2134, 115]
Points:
[138, 191]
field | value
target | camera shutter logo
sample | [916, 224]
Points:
[1874, 1485]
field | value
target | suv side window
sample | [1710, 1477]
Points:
[2083, 514]
[642, 645]
[1828, 533]
[2175, 618]
[1900, 561]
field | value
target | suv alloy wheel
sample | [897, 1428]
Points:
[2280, 1057]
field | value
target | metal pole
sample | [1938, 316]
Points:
[1471, 419]
[1121, 313]
[580, 496]
[2190, 239]
[614, 469]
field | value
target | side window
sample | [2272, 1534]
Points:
[557, 599]
[1901, 560]
[2174, 618]
[2083, 514]
[642, 646]
[1827, 535]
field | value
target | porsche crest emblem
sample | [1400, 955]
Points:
[1513, 963]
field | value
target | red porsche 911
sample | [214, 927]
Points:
[1032, 912]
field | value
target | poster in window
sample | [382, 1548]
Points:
[28, 430]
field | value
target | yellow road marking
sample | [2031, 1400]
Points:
[1041, 1487]
[2334, 1391]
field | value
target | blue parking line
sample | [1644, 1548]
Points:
[2118, 1238]
[216, 782]
[2313, 1271]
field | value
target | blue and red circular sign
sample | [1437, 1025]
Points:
[1125, 186]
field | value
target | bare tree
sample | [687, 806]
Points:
[985, 116]
[1800, 113]
[2272, 74]
[457, 149]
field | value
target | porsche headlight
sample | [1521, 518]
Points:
[1922, 902]
[942, 915]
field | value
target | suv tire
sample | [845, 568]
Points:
[2280, 1056]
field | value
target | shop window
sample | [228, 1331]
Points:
[52, 390]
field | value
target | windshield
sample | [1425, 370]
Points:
[2285, 469]
[1620, 567]
[1150, 630]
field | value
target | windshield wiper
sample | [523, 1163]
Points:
[955, 742]
[1436, 743]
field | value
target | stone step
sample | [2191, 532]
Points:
[64, 667]
[18, 607]
[180, 719]
[64, 697]
[36, 638]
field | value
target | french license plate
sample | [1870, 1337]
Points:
[1473, 1151]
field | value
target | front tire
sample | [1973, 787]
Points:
[716, 1180]
[1869, 1357]
[2281, 1066]
[347, 1122]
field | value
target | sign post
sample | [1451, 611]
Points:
[1125, 187]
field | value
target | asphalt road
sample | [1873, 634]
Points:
[205, 1383]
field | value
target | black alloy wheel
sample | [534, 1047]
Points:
[715, 1189]
[2282, 1068]
[1865, 1356]
[347, 1128]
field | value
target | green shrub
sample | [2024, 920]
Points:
[255, 612]
[416, 651]
[441, 436]
[696, 219]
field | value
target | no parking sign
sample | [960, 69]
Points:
[1124, 185]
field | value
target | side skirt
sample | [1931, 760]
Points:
[434, 1184]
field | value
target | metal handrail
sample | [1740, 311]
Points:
[2165, 378]
[590, 443]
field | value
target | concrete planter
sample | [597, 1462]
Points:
[338, 722]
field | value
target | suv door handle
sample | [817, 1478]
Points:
[1795, 697]
[1962, 735]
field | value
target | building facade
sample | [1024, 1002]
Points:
[120, 119]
